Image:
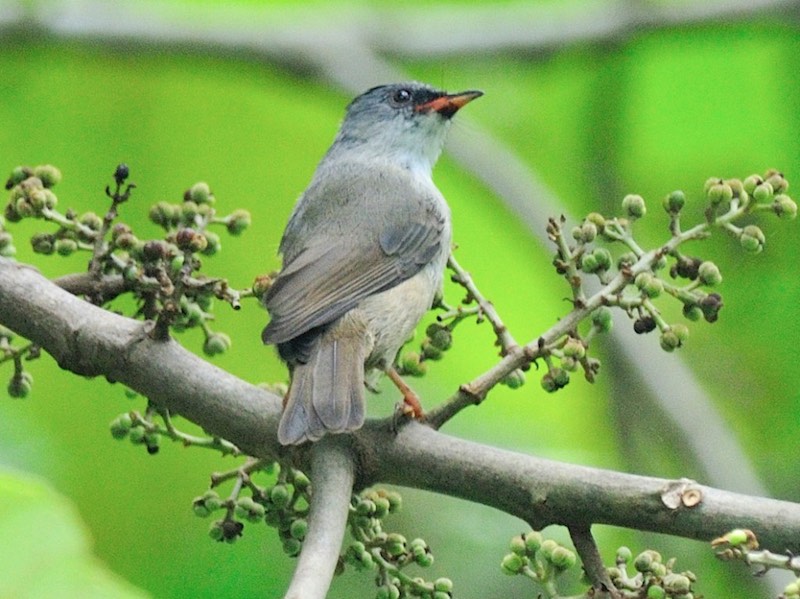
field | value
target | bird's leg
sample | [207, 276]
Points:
[411, 405]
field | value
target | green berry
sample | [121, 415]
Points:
[444, 585]
[673, 203]
[634, 207]
[200, 193]
[48, 174]
[737, 537]
[692, 312]
[669, 340]
[215, 531]
[164, 214]
[238, 221]
[20, 385]
[751, 182]
[216, 343]
[365, 507]
[18, 175]
[395, 502]
[514, 379]
[65, 247]
[152, 441]
[752, 239]
[200, 510]
[298, 529]
[247, 508]
[512, 564]
[656, 592]
[136, 435]
[517, 545]
[533, 542]
[395, 544]
[777, 180]
[213, 244]
[411, 363]
[589, 264]
[643, 562]
[624, 555]
[547, 548]
[24, 208]
[43, 243]
[709, 274]
[626, 260]
[710, 182]
[442, 338]
[430, 351]
[603, 257]
[292, 547]
[279, 496]
[597, 219]
[574, 348]
[121, 426]
[602, 319]
[763, 192]
[91, 220]
[676, 583]
[737, 187]
[719, 192]
[300, 481]
[784, 206]
[649, 284]
[562, 558]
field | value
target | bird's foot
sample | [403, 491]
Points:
[410, 407]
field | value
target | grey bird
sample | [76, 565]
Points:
[364, 254]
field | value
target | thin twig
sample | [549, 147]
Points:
[504, 338]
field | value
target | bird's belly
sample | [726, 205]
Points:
[392, 315]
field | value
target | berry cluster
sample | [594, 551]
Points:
[373, 549]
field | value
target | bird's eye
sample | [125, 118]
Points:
[401, 96]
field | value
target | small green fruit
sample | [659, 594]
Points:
[709, 274]
[200, 193]
[49, 174]
[752, 239]
[785, 207]
[673, 203]
[634, 207]
[512, 564]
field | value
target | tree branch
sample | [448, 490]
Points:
[90, 341]
[585, 545]
[333, 472]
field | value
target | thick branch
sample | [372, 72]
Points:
[544, 492]
[333, 473]
[91, 341]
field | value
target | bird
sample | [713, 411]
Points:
[363, 258]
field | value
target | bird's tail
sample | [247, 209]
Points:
[326, 394]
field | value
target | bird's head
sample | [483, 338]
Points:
[403, 123]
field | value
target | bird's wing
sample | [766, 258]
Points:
[348, 259]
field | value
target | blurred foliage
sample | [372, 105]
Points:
[52, 553]
[656, 111]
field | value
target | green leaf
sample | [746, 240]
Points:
[45, 550]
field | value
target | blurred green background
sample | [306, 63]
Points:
[188, 90]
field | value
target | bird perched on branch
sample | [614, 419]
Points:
[364, 254]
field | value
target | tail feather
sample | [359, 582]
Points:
[326, 394]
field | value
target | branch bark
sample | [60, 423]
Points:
[333, 473]
[90, 341]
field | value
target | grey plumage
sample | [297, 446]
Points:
[363, 256]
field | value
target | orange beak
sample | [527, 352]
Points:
[448, 104]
